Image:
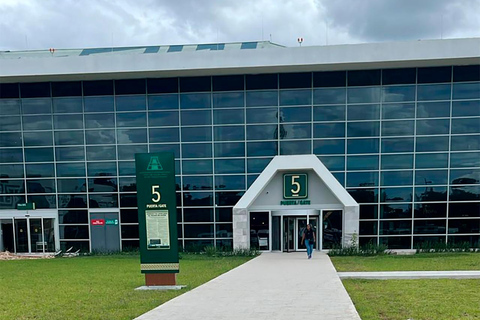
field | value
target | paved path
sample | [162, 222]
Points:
[385, 275]
[271, 286]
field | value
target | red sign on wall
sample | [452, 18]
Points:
[98, 222]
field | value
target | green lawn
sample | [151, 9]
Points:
[95, 287]
[442, 299]
[428, 299]
[417, 262]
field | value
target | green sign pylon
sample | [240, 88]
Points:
[154, 164]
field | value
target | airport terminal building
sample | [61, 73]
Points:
[379, 141]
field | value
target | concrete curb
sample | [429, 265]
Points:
[387, 275]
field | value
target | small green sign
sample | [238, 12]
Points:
[26, 206]
[111, 222]
[295, 186]
[157, 212]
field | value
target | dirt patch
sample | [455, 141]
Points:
[11, 256]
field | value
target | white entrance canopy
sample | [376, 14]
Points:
[266, 194]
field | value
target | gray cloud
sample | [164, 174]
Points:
[40, 24]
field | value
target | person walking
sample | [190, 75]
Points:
[309, 238]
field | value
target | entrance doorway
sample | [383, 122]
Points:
[331, 228]
[293, 228]
[27, 235]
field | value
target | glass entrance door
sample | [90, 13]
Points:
[21, 236]
[301, 226]
[288, 234]
[332, 228]
[34, 235]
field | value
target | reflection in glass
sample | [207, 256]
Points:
[67, 105]
[68, 121]
[464, 143]
[398, 93]
[37, 106]
[398, 111]
[230, 182]
[267, 148]
[363, 95]
[132, 119]
[465, 176]
[132, 135]
[13, 170]
[101, 153]
[12, 187]
[329, 113]
[228, 100]
[363, 129]
[192, 199]
[98, 104]
[295, 147]
[257, 165]
[262, 115]
[466, 108]
[430, 177]
[70, 169]
[396, 194]
[197, 182]
[165, 118]
[471, 125]
[430, 210]
[466, 90]
[38, 154]
[99, 120]
[11, 155]
[190, 134]
[397, 161]
[363, 112]
[396, 227]
[333, 163]
[195, 101]
[196, 117]
[72, 185]
[362, 146]
[164, 135]
[362, 163]
[396, 178]
[329, 96]
[295, 114]
[433, 92]
[362, 179]
[197, 166]
[295, 97]
[128, 184]
[329, 130]
[198, 214]
[37, 122]
[41, 186]
[197, 150]
[427, 193]
[396, 211]
[130, 103]
[127, 152]
[465, 193]
[431, 160]
[10, 123]
[40, 170]
[262, 98]
[364, 195]
[230, 149]
[391, 145]
[163, 102]
[70, 154]
[297, 131]
[336, 146]
[231, 133]
[433, 109]
[425, 144]
[398, 128]
[100, 136]
[14, 139]
[69, 138]
[230, 166]
[103, 200]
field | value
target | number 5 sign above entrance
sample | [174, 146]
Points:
[295, 186]
[155, 193]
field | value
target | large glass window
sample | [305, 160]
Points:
[329, 130]
[132, 135]
[398, 128]
[197, 150]
[69, 122]
[262, 98]
[132, 119]
[70, 154]
[425, 144]
[329, 96]
[228, 99]
[433, 109]
[295, 97]
[396, 178]
[191, 134]
[67, 105]
[466, 90]
[37, 122]
[363, 112]
[98, 104]
[69, 138]
[431, 160]
[267, 148]
[471, 125]
[362, 163]
[38, 154]
[336, 146]
[433, 92]
[164, 135]
[363, 129]
[99, 120]
[12, 123]
[195, 101]
[230, 149]
[105, 136]
[398, 111]
[40, 170]
[392, 145]
[398, 93]
[130, 103]
[295, 114]
[163, 102]
[362, 146]
[363, 95]
[465, 143]
[37, 106]
[196, 117]
[295, 147]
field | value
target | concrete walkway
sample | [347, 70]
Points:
[386, 275]
[272, 286]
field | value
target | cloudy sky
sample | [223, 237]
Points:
[41, 24]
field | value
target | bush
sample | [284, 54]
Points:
[429, 246]
[370, 249]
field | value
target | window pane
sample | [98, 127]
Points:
[102, 185]
[40, 170]
[233, 116]
[70, 154]
[102, 169]
[196, 134]
[32, 139]
[364, 195]
[396, 227]
[126, 168]
[100, 136]
[197, 150]
[471, 125]
[295, 97]
[11, 170]
[70, 169]
[398, 111]
[37, 106]
[132, 135]
[128, 184]
[397, 161]
[262, 115]
[13, 139]
[441, 126]
[295, 147]
[329, 96]
[396, 211]
[328, 113]
[464, 143]
[465, 176]
[228, 100]
[230, 166]
[199, 231]
[425, 144]
[72, 185]
[130, 103]
[363, 95]
[198, 214]
[37, 123]
[197, 166]
[98, 104]
[192, 84]
[363, 112]
[195, 101]
[433, 109]
[424, 194]
[464, 210]
[10, 123]
[41, 186]
[333, 163]
[196, 117]
[329, 146]
[166, 118]
[103, 200]
[431, 177]
[398, 94]
[364, 77]
[198, 199]
[99, 120]
[11, 155]
[127, 152]
[329, 130]
[362, 163]
[396, 178]
[466, 108]
[132, 119]
[257, 165]
[295, 114]
[466, 90]
[67, 105]
[362, 179]
[396, 194]
[362, 146]
[398, 128]
[431, 160]
[430, 210]
[69, 138]
[262, 98]
[197, 183]
[163, 102]
[164, 135]
[296, 131]
[463, 226]
[467, 159]
[262, 81]
[38, 154]
[230, 182]
[391, 145]
[228, 133]
[9, 107]
[72, 216]
[101, 153]
[433, 92]
[295, 80]
[363, 129]
[11, 187]
[232, 149]
[74, 121]
[175, 148]
[267, 148]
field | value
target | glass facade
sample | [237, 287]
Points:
[405, 143]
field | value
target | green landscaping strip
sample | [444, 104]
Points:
[441, 299]
[96, 287]
[417, 262]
